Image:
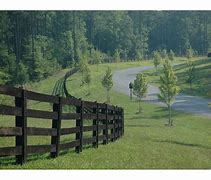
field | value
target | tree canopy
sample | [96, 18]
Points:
[45, 41]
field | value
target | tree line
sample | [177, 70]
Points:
[35, 44]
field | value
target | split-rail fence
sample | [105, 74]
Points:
[107, 123]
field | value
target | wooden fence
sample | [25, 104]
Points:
[105, 118]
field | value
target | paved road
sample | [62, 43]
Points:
[187, 103]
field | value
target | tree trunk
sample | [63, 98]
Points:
[75, 42]
[170, 120]
[108, 97]
[139, 102]
[17, 38]
[131, 94]
[88, 89]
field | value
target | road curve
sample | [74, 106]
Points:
[191, 104]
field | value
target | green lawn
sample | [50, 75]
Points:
[147, 142]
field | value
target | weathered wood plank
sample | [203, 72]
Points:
[90, 104]
[11, 131]
[110, 126]
[120, 125]
[111, 117]
[33, 131]
[102, 116]
[9, 110]
[10, 91]
[102, 127]
[110, 107]
[89, 128]
[101, 105]
[70, 101]
[110, 136]
[70, 116]
[41, 114]
[10, 151]
[89, 116]
[69, 145]
[40, 149]
[89, 140]
[65, 131]
[101, 137]
[41, 97]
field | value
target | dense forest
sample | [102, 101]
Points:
[36, 44]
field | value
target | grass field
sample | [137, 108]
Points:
[147, 143]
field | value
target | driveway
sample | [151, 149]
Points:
[186, 103]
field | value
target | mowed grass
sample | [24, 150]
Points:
[146, 144]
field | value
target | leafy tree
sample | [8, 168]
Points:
[168, 87]
[3, 77]
[117, 56]
[189, 53]
[190, 72]
[87, 79]
[44, 41]
[156, 59]
[21, 75]
[65, 49]
[96, 57]
[138, 55]
[163, 54]
[171, 55]
[107, 82]
[140, 88]
[83, 65]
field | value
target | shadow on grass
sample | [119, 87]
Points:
[8, 161]
[162, 113]
[136, 125]
[183, 144]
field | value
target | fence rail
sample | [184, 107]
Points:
[107, 119]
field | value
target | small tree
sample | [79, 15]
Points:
[107, 82]
[156, 59]
[163, 54]
[140, 88]
[138, 55]
[117, 56]
[21, 77]
[168, 87]
[83, 65]
[96, 57]
[190, 72]
[189, 53]
[87, 79]
[171, 55]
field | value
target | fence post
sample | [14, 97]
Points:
[105, 131]
[96, 123]
[117, 122]
[21, 121]
[120, 121]
[115, 109]
[113, 122]
[56, 123]
[79, 123]
[123, 122]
